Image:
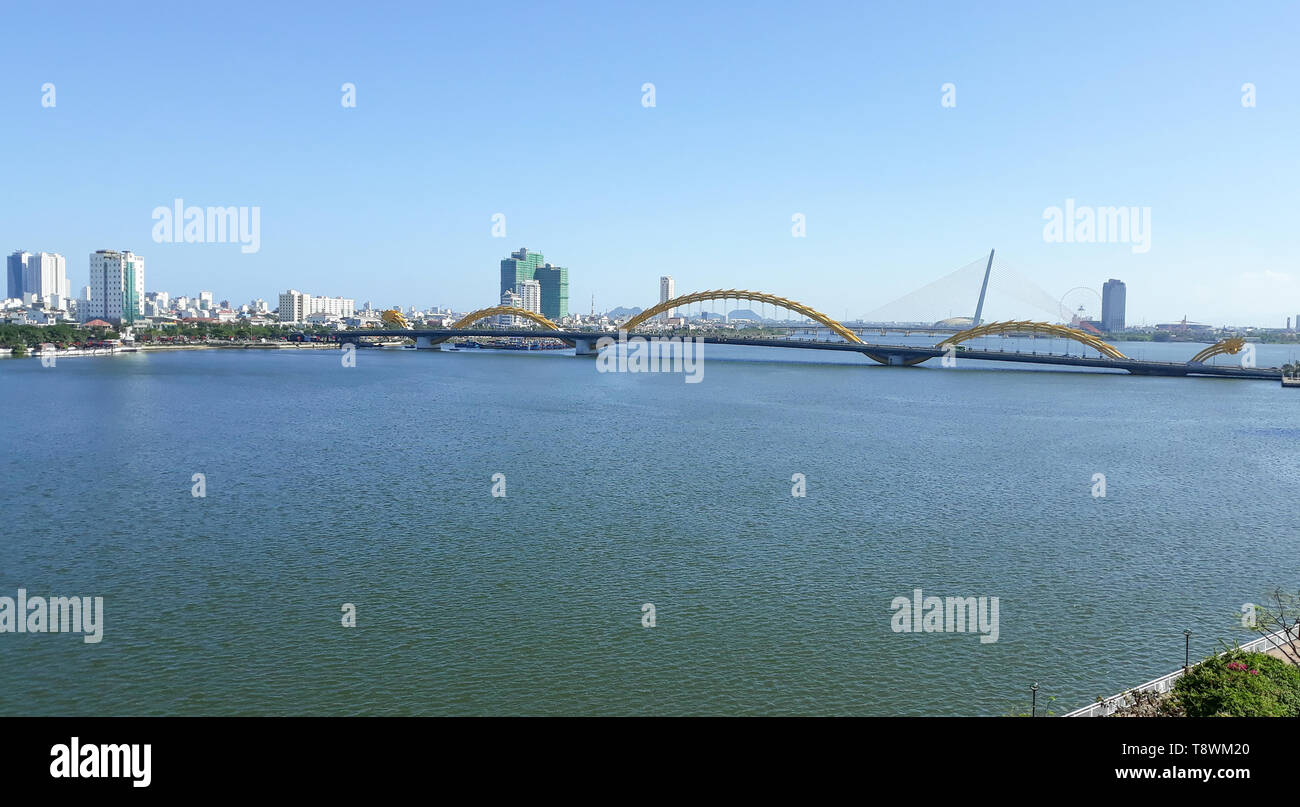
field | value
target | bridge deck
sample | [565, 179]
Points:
[902, 352]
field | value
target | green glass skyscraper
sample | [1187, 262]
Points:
[524, 265]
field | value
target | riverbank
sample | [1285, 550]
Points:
[114, 351]
[1152, 698]
[239, 346]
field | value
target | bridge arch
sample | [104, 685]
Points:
[497, 310]
[1232, 345]
[1025, 326]
[741, 294]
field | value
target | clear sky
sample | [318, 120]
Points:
[535, 111]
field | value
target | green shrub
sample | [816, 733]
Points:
[1239, 684]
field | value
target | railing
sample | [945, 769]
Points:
[1108, 706]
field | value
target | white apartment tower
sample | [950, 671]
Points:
[116, 286]
[530, 295]
[667, 291]
[47, 276]
[38, 274]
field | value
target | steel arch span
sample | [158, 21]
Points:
[741, 294]
[1046, 328]
[1232, 345]
[497, 310]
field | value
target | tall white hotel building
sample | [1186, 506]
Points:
[116, 286]
[667, 291]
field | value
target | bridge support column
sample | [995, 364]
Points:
[584, 347]
[426, 343]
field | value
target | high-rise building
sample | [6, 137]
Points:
[205, 300]
[116, 286]
[555, 291]
[509, 298]
[667, 291]
[293, 306]
[554, 280]
[46, 276]
[1112, 306]
[530, 295]
[520, 266]
[17, 270]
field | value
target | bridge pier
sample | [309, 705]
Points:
[585, 347]
[894, 359]
[427, 343]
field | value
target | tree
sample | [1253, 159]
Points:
[1281, 616]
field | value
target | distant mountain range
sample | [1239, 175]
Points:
[740, 313]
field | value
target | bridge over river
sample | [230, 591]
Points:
[951, 349]
[586, 343]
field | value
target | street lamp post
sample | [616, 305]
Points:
[1187, 650]
[1033, 709]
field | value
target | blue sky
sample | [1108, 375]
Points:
[829, 110]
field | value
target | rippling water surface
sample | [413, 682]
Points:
[371, 485]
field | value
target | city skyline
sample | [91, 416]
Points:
[553, 289]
